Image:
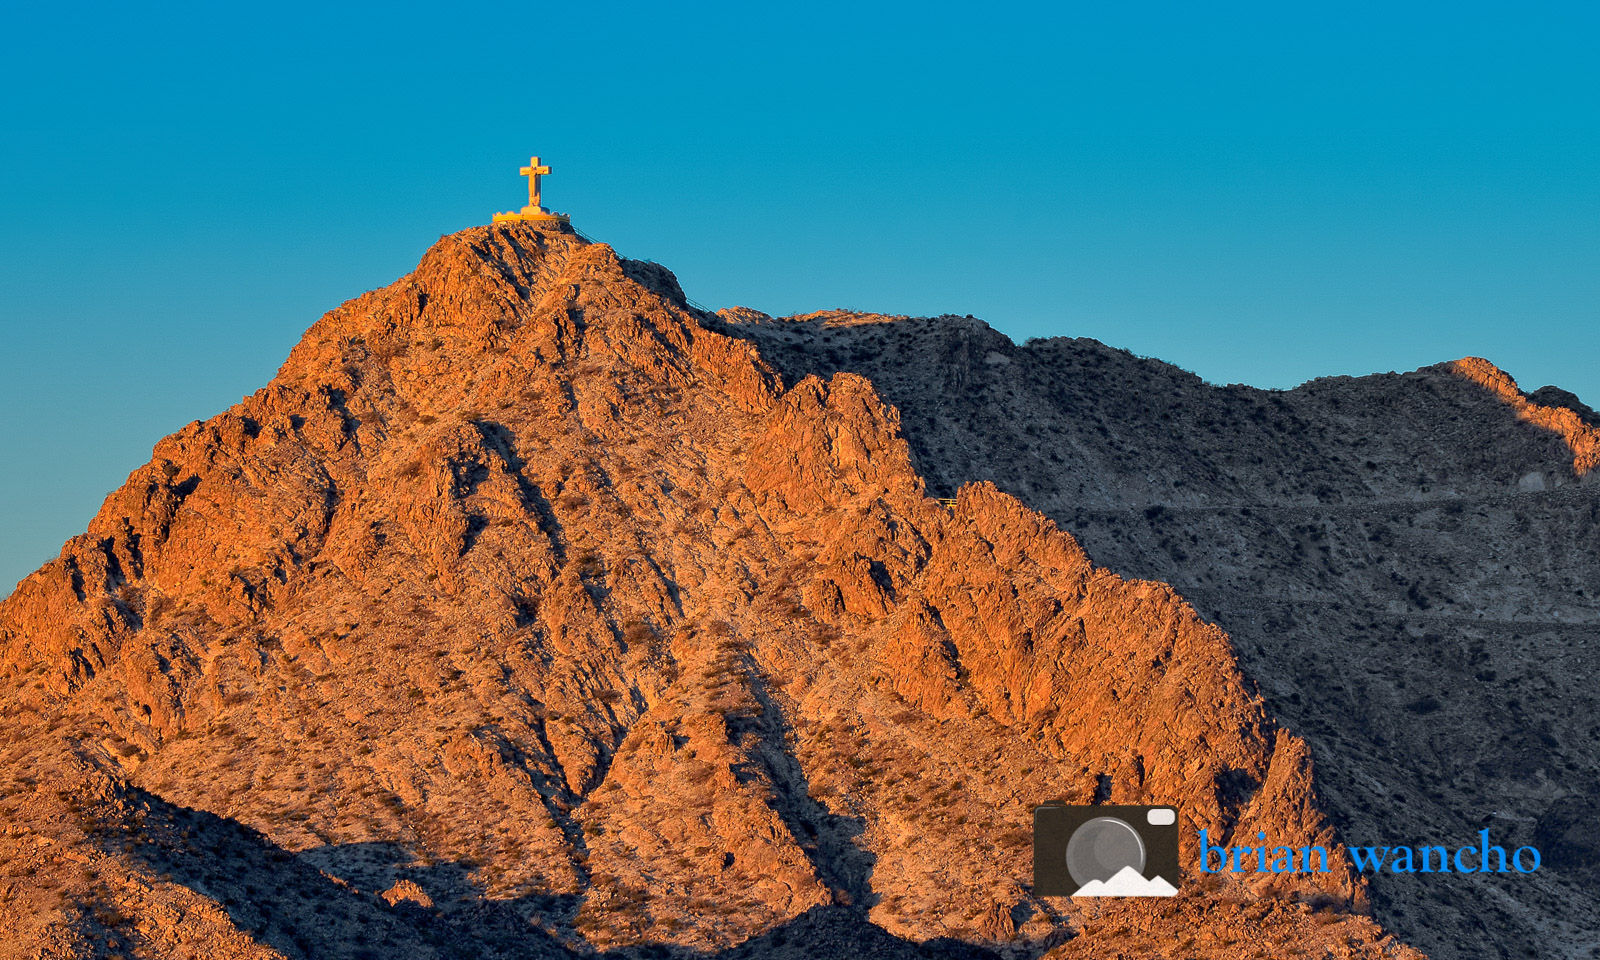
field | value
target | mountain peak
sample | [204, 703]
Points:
[522, 592]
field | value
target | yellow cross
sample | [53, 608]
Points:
[533, 171]
[533, 212]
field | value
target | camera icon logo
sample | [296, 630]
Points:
[1105, 851]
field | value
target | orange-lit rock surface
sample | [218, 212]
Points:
[521, 613]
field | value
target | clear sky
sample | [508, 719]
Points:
[1261, 193]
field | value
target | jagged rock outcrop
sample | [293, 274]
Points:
[1408, 566]
[523, 614]
[1574, 423]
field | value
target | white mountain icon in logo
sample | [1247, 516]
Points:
[1127, 882]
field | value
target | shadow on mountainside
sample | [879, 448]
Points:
[328, 902]
[828, 839]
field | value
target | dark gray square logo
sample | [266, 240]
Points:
[1105, 851]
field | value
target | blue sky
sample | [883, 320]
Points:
[1261, 193]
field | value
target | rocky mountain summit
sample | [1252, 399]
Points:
[1408, 566]
[531, 612]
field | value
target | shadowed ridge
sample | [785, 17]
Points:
[1402, 563]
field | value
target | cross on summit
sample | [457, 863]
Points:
[533, 171]
[534, 210]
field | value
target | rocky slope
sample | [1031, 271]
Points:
[1408, 565]
[523, 615]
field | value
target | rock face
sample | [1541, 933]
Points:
[523, 614]
[1408, 566]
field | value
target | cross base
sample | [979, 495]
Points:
[531, 213]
